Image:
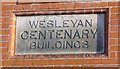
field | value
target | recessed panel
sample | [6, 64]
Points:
[60, 34]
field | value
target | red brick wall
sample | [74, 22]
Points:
[7, 34]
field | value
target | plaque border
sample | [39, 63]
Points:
[54, 12]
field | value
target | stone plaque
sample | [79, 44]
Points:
[60, 34]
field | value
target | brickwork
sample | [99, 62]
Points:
[28, 7]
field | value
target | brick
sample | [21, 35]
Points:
[4, 44]
[114, 48]
[112, 54]
[54, 1]
[95, 4]
[58, 62]
[8, 63]
[61, 6]
[23, 62]
[40, 6]
[18, 7]
[114, 10]
[0, 10]
[115, 16]
[1, 63]
[1, 31]
[5, 13]
[52, 6]
[11, 67]
[112, 3]
[44, 6]
[7, 7]
[0, 53]
[4, 25]
[35, 6]
[4, 38]
[92, 61]
[75, 61]
[12, 15]
[114, 28]
[78, 5]
[69, 6]
[4, 31]
[103, 4]
[28, 62]
[11, 54]
[20, 63]
[5, 20]
[26, 7]
[114, 22]
[12, 23]
[6, 3]
[40, 62]
[0, 20]
[4, 50]
[110, 61]
[118, 53]
[12, 30]
[114, 35]
[114, 41]
[5, 56]
[11, 40]
[86, 5]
